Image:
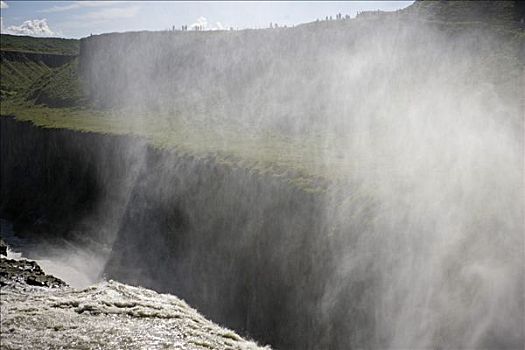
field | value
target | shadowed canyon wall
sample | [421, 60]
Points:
[245, 248]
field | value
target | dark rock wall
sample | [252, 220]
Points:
[248, 250]
[54, 181]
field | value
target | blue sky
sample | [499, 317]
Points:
[76, 19]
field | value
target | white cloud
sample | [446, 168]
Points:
[202, 24]
[78, 4]
[34, 27]
[3, 5]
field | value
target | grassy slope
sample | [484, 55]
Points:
[40, 45]
[57, 88]
[298, 160]
[18, 75]
[18, 71]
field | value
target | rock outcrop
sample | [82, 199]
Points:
[3, 247]
[26, 272]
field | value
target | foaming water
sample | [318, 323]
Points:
[108, 315]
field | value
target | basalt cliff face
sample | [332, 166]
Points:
[52, 178]
[230, 241]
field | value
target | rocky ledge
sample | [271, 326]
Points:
[28, 272]
[24, 272]
[3, 247]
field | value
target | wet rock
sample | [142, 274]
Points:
[3, 247]
[26, 272]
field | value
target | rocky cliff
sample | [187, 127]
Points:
[230, 241]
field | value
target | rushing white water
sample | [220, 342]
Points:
[108, 315]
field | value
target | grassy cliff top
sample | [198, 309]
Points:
[54, 100]
[39, 45]
[299, 161]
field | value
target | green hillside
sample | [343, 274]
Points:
[17, 74]
[24, 60]
[53, 97]
[41, 45]
[59, 87]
